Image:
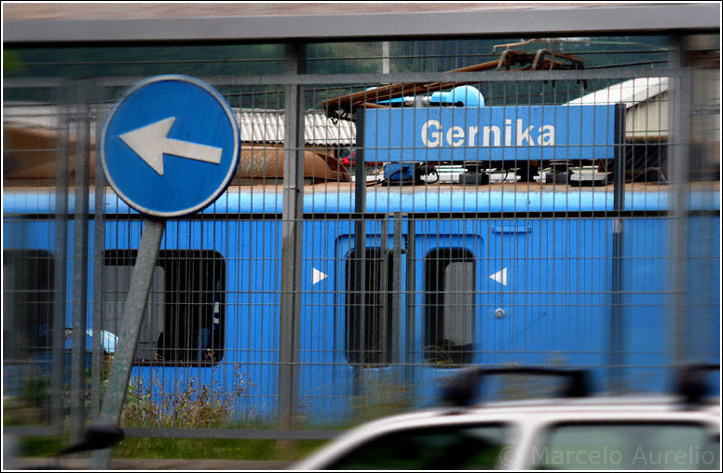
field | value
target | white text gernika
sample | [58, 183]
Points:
[434, 135]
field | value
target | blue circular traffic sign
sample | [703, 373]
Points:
[170, 146]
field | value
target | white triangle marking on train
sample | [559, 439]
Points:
[317, 276]
[500, 276]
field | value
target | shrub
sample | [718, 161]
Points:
[190, 405]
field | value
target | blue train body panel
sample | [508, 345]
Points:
[542, 285]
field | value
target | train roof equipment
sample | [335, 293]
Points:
[543, 59]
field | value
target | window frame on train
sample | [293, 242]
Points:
[183, 336]
[368, 337]
[28, 299]
[439, 349]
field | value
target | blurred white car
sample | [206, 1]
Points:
[574, 432]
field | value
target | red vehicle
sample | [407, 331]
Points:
[350, 161]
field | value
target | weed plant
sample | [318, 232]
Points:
[192, 404]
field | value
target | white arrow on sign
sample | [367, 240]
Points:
[317, 276]
[150, 143]
[500, 276]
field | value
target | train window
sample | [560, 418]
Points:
[184, 318]
[369, 309]
[28, 281]
[116, 282]
[449, 279]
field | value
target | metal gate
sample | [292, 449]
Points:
[376, 239]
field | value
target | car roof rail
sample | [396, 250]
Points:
[690, 382]
[463, 389]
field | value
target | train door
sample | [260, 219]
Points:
[447, 304]
[409, 310]
[370, 322]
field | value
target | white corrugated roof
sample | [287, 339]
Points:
[630, 92]
[255, 125]
[31, 115]
[267, 126]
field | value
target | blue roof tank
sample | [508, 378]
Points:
[464, 95]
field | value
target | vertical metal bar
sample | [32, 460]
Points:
[80, 270]
[383, 292]
[385, 57]
[360, 185]
[617, 324]
[679, 91]
[99, 245]
[397, 291]
[130, 328]
[291, 229]
[410, 346]
[359, 238]
[61, 264]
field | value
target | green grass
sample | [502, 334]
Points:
[220, 449]
[198, 405]
[40, 446]
[184, 449]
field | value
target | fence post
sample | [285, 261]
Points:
[291, 230]
[62, 157]
[80, 262]
[98, 248]
[678, 171]
[617, 324]
[359, 241]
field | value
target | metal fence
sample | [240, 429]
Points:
[370, 246]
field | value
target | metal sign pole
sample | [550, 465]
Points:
[130, 328]
[150, 124]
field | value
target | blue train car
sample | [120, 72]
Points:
[449, 276]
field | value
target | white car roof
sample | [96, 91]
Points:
[533, 412]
